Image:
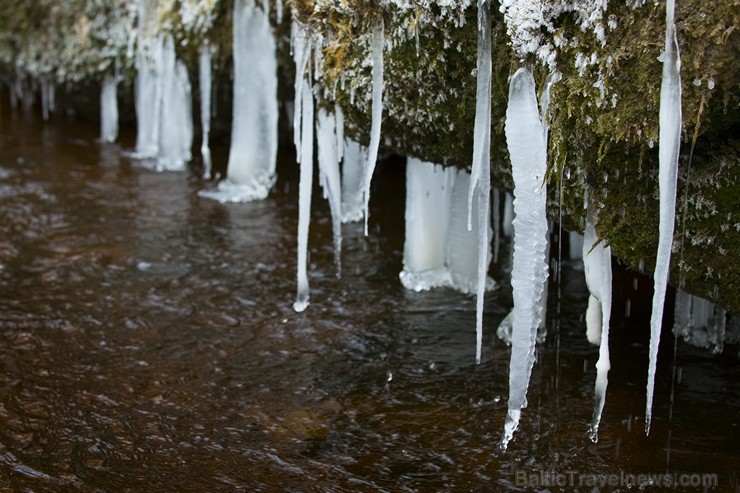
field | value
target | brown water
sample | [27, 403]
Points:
[147, 343]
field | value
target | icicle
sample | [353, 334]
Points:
[597, 266]
[482, 130]
[301, 54]
[480, 177]
[279, 11]
[328, 140]
[353, 181]
[109, 109]
[526, 143]
[428, 205]
[176, 120]
[496, 223]
[670, 143]
[508, 222]
[378, 42]
[254, 131]
[148, 97]
[45, 91]
[463, 244]
[204, 75]
[304, 195]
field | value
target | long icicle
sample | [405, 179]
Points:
[305, 158]
[597, 265]
[378, 42]
[526, 142]
[670, 143]
[204, 73]
[481, 171]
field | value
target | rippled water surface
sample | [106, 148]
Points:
[148, 343]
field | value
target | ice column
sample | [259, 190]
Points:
[462, 243]
[254, 130]
[109, 109]
[328, 139]
[526, 142]
[48, 97]
[353, 181]
[428, 200]
[303, 136]
[670, 143]
[204, 75]
[597, 265]
[176, 120]
[480, 176]
[378, 42]
[148, 87]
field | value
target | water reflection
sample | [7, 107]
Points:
[147, 342]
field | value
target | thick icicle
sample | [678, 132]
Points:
[480, 176]
[378, 42]
[176, 120]
[254, 130]
[428, 205]
[670, 143]
[304, 195]
[526, 143]
[597, 265]
[328, 140]
[148, 87]
[109, 109]
[204, 75]
[353, 181]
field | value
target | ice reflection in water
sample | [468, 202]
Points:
[147, 342]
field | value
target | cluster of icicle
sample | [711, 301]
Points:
[163, 98]
[448, 211]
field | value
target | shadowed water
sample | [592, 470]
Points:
[148, 343]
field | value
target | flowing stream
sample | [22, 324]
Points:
[148, 343]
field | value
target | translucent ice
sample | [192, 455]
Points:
[526, 142]
[204, 72]
[254, 130]
[329, 145]
[597, 266]
[670, 143]
[353, 181]
[378, 42]
[109, 109]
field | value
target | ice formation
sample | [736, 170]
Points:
[575, 246]
[439, 249]
[109, 109]
[670, 143]
[428, 206]
[254, 130]
[328, 138]
[378, 43]
[508, 219]
[48, 97]
[148, 87]
[303, 136]
[204, 75]
[353, 181]
[699, 322]
[304, 196]
[176, 119]
[597, 265]
[480, 177]
[526, 142]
